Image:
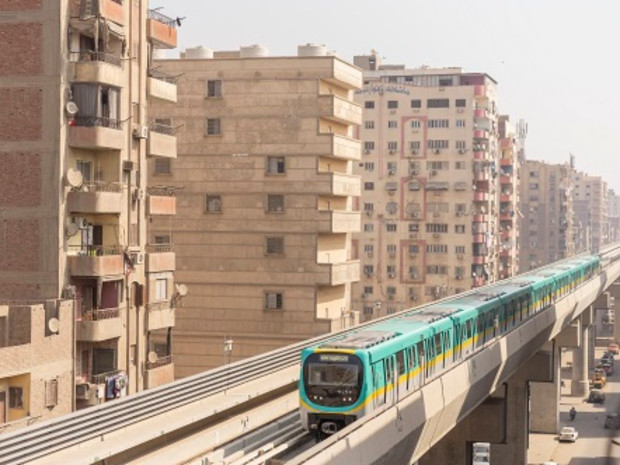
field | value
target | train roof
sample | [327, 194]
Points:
[360, 339]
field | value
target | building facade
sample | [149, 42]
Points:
[265, 200]
[613, 216]
[430, 196]
[547, 214]
[590, 200]
[73, 200]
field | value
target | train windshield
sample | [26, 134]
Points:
[334, 379]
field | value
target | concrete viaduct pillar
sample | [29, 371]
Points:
[576, 336]
[614, 290]
[502, 419]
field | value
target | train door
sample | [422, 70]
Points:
[459, 341]
[411, 366]
[421, 362]
[379, 384]
[389, 372]
[401, 370]
[468, 339]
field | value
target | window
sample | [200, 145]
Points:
[415, 124]
[414, 248]
[16, 397]
[213, 203]
[369, 207]
[392, 104]
[414, 145]
[213, 127]
[369, 186]
[391, 227]
[369, 124]
[369, 248]
[414, 227]
[392, 124]
[459, 249]
[460, 123]
[276, 165]
[391, 270]
[369, 145]
[214, 88]
[437, 144]
[460, 103]
[392, 146]
[437, 248]
[436, 269]
[460, 165]
[274, 301]
[161, 289]
[438, 123]
[368, 227]
[162, 239]
[391, 166]
[369, 104]
[438, 103]
[275, 202]
[368, 290]
[85, 168]
[274, 245]
[391, 249]
[162, 166]
[368, 270]
[416, 104]
[459, 228]
[369, 166]
[461, 144]
[436, 228]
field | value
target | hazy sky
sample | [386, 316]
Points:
[557, 63]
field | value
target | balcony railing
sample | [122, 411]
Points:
[96, 250]
[162, 129]
[101, 377]
[92, 55]
[161, 76]
[158, 248]
[163, 191]
[160, 362]
[157, 16]
[102, 186]
[157, 306]
[101, 314]
[97, 121]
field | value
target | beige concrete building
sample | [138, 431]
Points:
[547, 214]
[613, 216]
[430, 199]
[265, 201]
[73, 204]
[590, 200]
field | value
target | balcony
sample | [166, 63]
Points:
[339, 184]
[98, 67]
[336, 274]
[480, 259]
[100, 325]
[479, 91]
[106, 9]
[161, 85]
[345, 75]
[100, 378]
[159, 372]
[340, 147]
[479, 238]
[338, 221]
[96, 197]
[482, 176]
[505, 179]
[506, 161]
[162, 142]
[480, 218]
[480, 154]
[160, 315]
[94, 132]
[96, 260]
[161, 201]
[160, 257]
[340, 110]
[161, 30]
[505, 197]
[481, 196]
[503, 216]
[481, 134]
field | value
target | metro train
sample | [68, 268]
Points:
[349, 376]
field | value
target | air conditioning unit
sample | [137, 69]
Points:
[459, 277]
[391, 296]
[414, 172]
[366, 151]
[368, 212]
[81, 222]
[462, 151]
[137, 258]
[413, 275]
[459, 213]
[369, 254]
[414, 151]
[413, 298]
[364, 296]
[436, 151]
[84, 391]
[391, 172]
[433, 173]
[130, 165]
[436, 235]
[138, 194]
[140, 132]
[415, 214]
[391, 275]
[368, 274]
[392, 152]
[413, 235]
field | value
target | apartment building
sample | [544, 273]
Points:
[613, 216]
[265, 199]
[547, 214]
[74, 206]
[430, 197]
[590, 200]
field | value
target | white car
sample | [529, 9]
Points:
[569, 434]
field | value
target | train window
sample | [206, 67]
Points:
[389, 370]
[410, 360]
[479, 324]
[467, 329]
[400, 362]
[437, 344]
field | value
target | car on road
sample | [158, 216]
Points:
[612, 421]
[568, 434]
[613, 348]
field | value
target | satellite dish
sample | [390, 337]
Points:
[53, 325]
[74, 178]
[71, 108]
[152, 356]
[72, 229]
[181, 289]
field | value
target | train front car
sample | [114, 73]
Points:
[332, 388]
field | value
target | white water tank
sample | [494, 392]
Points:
[198, 53]
[159, 54]
[253, 51]
[311, 50]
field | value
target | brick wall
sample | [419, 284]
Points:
[21, 114]
[20, 179]
[19, 325]
[20, 241]
[21, 49]
[17, 5]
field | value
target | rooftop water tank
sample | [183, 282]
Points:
[311, 50]
[199, 52]
[254, 51]
[159, 54]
